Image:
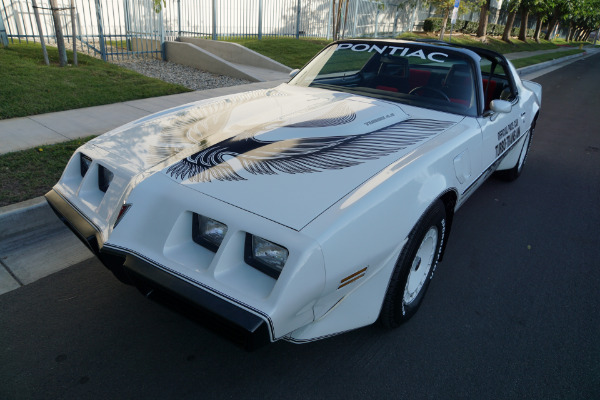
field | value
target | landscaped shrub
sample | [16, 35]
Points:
[459, 26]
[470, 27]
[432, 25]
[495, 29]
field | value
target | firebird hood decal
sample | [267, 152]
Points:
[286, 154]
[193, 127]
[303, 155]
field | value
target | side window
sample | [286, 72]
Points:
[496, 84]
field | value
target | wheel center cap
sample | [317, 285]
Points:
[417, 263]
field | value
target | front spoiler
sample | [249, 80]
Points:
[230, 320]
[75, 220]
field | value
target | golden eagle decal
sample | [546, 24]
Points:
[302, 155]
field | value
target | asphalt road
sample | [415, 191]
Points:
[513, 311]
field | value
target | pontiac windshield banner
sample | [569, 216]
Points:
[403, 51]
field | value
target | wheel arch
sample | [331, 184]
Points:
[449, 199]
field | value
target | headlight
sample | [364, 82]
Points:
[207, 232]
[265, 256]
[84, 163]
[104, 178]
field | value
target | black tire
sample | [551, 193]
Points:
[510, 175]
[404, 295]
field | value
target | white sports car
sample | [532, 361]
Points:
[310, 209]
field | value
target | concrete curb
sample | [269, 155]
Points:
[34, 243]
[538, 67]
[16, 219]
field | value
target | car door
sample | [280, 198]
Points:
[500, 130]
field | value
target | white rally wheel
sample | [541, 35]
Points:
[421, 266]
[414, 268]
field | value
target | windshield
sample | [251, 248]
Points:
[408, 73]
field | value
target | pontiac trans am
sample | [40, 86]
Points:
[310, 209]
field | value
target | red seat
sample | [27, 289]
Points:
[460, 101]
[490, 92]
[418, 78]
[388, 88]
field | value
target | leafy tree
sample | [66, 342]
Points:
[513, 7]
[159, 4]
[483, 19]
[540, 9]
[60, 40]
[338, 25]
[527, 8]
[446, 7]
[582, 19]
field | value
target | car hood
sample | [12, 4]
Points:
[286, 154]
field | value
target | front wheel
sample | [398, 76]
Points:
[414, 268]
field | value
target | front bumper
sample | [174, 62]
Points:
[75, 220]
[215, 311]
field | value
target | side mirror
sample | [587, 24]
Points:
[500, 106]
[294, 72]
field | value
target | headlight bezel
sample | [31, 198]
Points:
[199, 224]
[85, 162]
[105, 177]
[251, 258]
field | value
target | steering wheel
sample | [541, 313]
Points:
[429, 91]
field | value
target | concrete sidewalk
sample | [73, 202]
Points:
[27, 132]
[33, 242]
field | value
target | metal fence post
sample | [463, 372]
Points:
[395, 30]
[354, 26]
[163, 45]
[329, 20]
[74, 32]
[3, 35]
[415, 13]
[178, 19]
[128, 29]
[298, 20]
[40, 31]
[260, 18]
[100, 30]
[376, 22]
[214, 19]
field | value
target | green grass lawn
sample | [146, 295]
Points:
[288, 51]
[31, 173]
[527, 61]
[30, 87]
[497, 44]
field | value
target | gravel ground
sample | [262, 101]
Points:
[189, 77]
